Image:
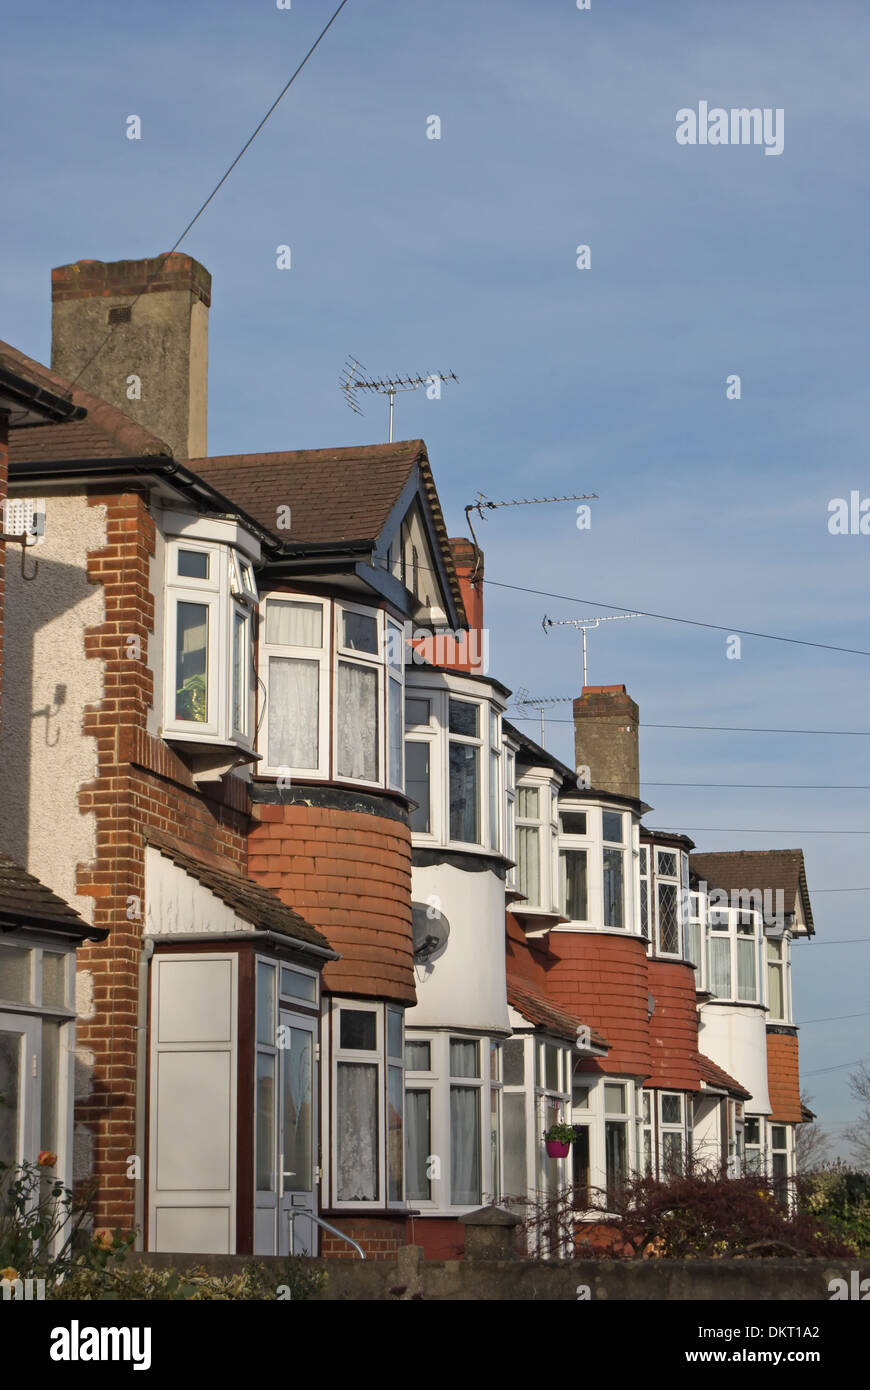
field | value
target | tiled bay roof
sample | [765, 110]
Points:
[540, 1011]
[254, 904]
[24, 901]
[716, 1077]
[760, 869]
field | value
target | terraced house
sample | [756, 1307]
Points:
[351, 941]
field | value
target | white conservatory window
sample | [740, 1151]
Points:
[211, 595]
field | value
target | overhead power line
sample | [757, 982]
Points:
[163, 259]
[715, 728]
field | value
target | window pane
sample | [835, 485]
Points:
[358, 1032]
[191, 663]
[746, 970]
[528, 801]
[395, 653]
[494, 1127]
[719, 966]
[418, 1125]
[464, 718]
[667, 863]
[572, 865]
[417, 1056]
[416, 712]
[580, 1167]
[774, 984]
[293, 624]
[580, 1096]
[394, 1033]
[265, 1123]
[50, 1081]
[11, 1048]
[360, 632]
[266, 1004]
[297, 1066]
[464, 1057]
[395, 733]
[53, 980]
[615, 1154]
[395, 1134]
[293, 712]
[751, 1131]
[613, 906]
[357, 722]
[774, 950]
[357, 1117]
[693, 948]
[297, 985]
[672, 1110]
[493, 800]
[551, 1068]
[644, 906]
[573, 822]
[495, 1050]
[611, 826]
[614, 1100]
[777, 1136]
[514, 1144]
[417, 783]
[193, 564]
[464, 793]
[514, 1072]
[465, 1146]
[528, 862]
[240, 683]
[669, 922]
[672, 1151]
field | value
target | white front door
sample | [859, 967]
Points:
[297, 1133]
[20, 1065]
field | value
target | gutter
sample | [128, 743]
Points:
[278, 938]
[13, 921]
[28, 395]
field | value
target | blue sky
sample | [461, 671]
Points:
[415, 255]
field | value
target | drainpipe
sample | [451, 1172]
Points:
[141, 1098]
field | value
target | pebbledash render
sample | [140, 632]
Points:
[356, 941]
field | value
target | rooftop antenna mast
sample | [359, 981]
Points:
[353, 379]
[526, 701]
[584, 624]
[483, 505]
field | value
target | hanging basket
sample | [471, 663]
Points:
[555, 1149]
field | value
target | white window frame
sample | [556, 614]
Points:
[320, 654]
[624, 846]
[436, 734]
[734, 935]
[379, 1058]
[671, 1127]
[570, 840]
[480, 741]
[671, 881]
[783, 965]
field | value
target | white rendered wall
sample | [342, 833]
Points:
[735, 1039]
[464, 986]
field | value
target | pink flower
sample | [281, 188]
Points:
[46, 1159]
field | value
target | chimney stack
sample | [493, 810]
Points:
[605, 739]
[154, 366]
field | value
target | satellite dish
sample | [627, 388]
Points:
[431, 930]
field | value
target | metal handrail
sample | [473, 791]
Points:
[300, 1211]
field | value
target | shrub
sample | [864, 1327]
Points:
[254, 1283]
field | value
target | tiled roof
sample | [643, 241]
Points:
[24, 901]
[105, 432]
[254, 904]
[760, 869]
[537, 1009]
[716, 1077]
[335, 495]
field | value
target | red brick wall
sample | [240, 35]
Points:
[350, 875]
[604, 981]
[140, 783]
[380, 1239]
[783, 1078]
[674, 1027]
[442, 1237]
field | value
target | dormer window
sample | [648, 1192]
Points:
[209, 667]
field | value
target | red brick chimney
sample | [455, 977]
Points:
[605, 739]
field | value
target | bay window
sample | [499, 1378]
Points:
[357, 670]
[612, 827]
[778, 983]
[464, 776]
[209, 669]
[573, 866]
[732, 954]
[368, 1109]
[668, 933]
[528, 832]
